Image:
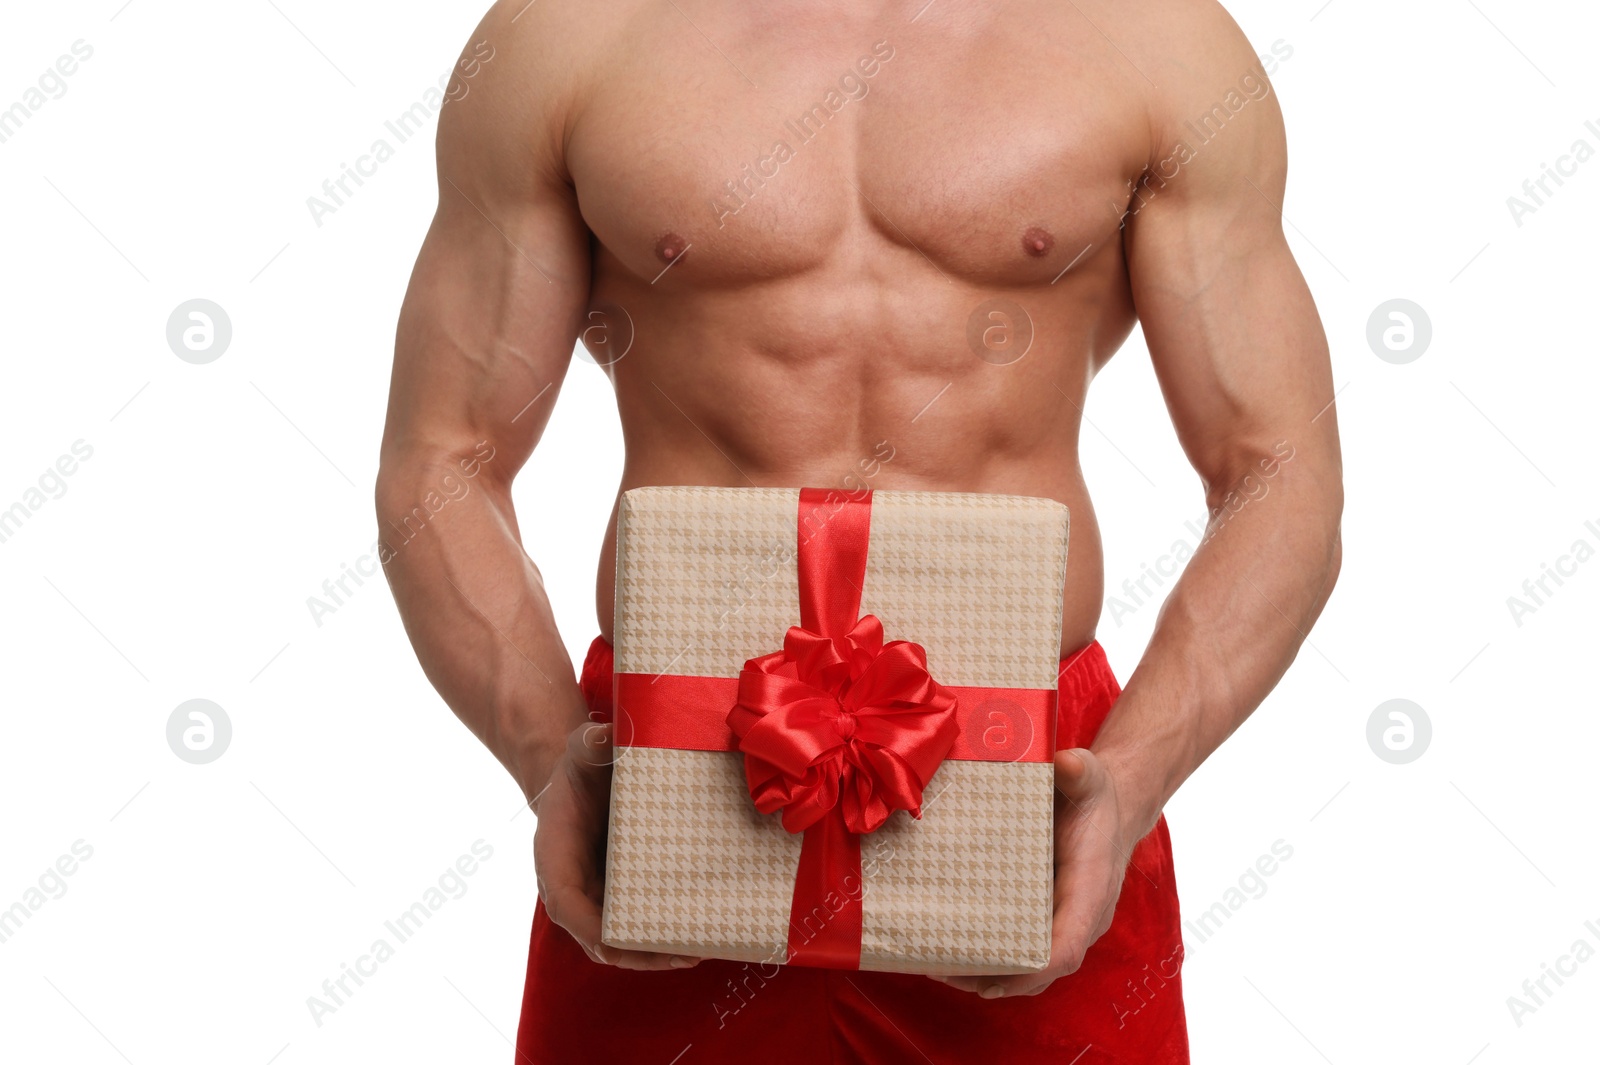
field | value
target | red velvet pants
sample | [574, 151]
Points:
[1124, 1005]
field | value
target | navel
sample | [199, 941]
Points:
[669, 247]
[1037, 242]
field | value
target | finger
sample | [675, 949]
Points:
[647, 960]
[565, 865]
[992, 987]
[573, 911]
[589, 748]
[1078, 773]
[973, 984]
[1083, 913]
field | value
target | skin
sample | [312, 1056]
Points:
[820, 319]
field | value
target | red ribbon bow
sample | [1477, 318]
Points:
[843, 720]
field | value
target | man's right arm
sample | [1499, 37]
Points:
[485, 335]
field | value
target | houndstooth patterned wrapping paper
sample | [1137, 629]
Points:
[706, 579]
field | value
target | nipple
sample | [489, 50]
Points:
[669, 247]
[1037, 242]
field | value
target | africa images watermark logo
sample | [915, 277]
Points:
[337, 191]
[51, 85]
[1536, 990]
[1137, 591]
[199, 731]
[448, 886]
[51, 484]
[1537, 591]
[852, 85]
[1152, 978]
[199, 331]
[1251, 86]
[49, 886]
[1537, 191]
[407, 526]
[877, 852]
[1399, 731]
[1399, 331]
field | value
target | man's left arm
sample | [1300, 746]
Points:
[1243, 365]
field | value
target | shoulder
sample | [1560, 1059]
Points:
[521, 77]
[1201, 74]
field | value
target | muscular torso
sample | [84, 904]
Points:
[860, 243]
[916, 295]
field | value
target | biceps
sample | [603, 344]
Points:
[1233, 335]
[487, 328]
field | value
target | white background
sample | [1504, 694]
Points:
[219, 497]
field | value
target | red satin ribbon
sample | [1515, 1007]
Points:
[684, 713]
[839, 729]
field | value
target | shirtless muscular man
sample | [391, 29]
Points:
[828, 231]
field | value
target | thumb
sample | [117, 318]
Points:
[1077, 772]
[589, 747]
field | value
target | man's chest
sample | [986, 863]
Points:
[997, 151]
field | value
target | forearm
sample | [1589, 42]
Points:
[475, 608]
[1227, 633]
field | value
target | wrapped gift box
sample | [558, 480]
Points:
[709, 579]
